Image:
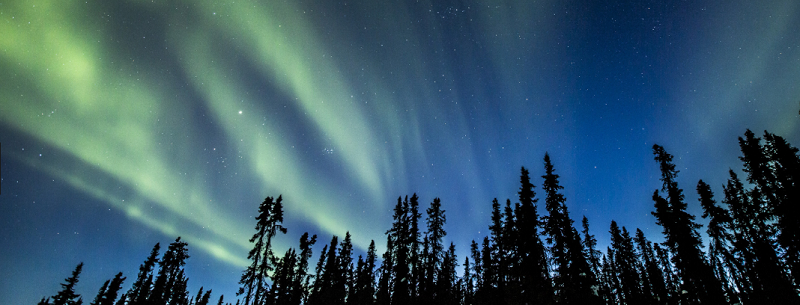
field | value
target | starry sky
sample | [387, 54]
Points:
[126, 123]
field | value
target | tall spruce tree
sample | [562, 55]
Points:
[170, 284]
[255, 277]
[400, 235]
[140, 290]
[625, 266]
[590, 248]
[720, 256]
[763, 280]
[343, 277]
[67, 295]
[108, 293]
[301, 283]
[572, 281]
[414, 260]
[653, 285]
[383, 295]
[365, 278]
[507, 260]
[698, 284]
[435, 220]
[533, 274]
[785, 163]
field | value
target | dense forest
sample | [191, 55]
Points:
[751, 256]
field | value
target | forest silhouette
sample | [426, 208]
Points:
[752, 257]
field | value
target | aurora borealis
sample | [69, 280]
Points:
[127, 123]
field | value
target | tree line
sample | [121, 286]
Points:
[752, 254]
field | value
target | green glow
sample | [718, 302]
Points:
[104, 116]
[76, 94]
[271, 158]
[730, 70]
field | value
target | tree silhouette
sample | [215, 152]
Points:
[720, 255]
[533, 274]
[572, 280]
[751, 258]
[108, 293]
[268, 223]
[67, 295]
[698, 284]
[140, 290]
[170, 284]
[653, 286]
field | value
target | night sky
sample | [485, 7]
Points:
[126, 123]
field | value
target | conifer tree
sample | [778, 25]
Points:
[653, 286]
[435, 219]
[67, 295]
[365, 278]
[414, 259]
[763, 278]
[477, 272]
[447, 292]
[283, 279]
[589, 245]
[496, 233]
[720, 256]
[343, 275]
[108, 292]
[488, 291]
[571, 281]
[204, 300]
[507, 260]
[468, 283]
[314, 296]
[268, 223]
[99, 297]
[625, 266]
[301, 283]
[170, 284]
[383, 295]
[532, 272]
[680, 230]
[670, 275]
[140, 290]
[401, 239]
[328, 279]
[785, 163]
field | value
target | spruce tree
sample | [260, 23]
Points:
[653, 286]
[507, 260]
[720, 256]
[170, 284]
[680, 230]
[435, 219]
[414, 259]
[67, 295]
[100, 294]
[108, 292]
[572, 281]
[589, 246]
[785, 163]
[301, 283]
[268, 223]
[343, 284]
[315, 294]
[383, 295]
[763, 280]
[625, 266]
[533, 274]
[140, 290]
